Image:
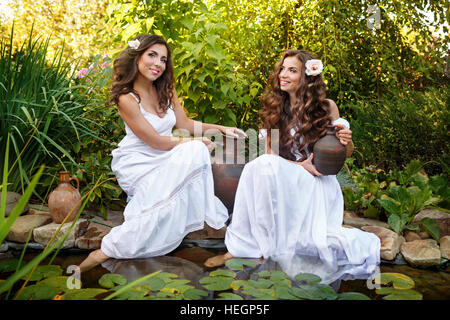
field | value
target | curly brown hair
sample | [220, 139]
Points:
[125, 71]
[311, 110]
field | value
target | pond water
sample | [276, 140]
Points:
[187, 262]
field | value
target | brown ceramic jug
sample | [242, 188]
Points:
[64, 198]
[329, 153]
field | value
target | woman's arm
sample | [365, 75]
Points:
[344, 135]
[130, 113]
[196, 127]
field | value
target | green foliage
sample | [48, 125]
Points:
[400, 126]
[401, 289]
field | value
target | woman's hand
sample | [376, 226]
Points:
[233, 132]
[344, 135]
[209, 144]
[308, 166]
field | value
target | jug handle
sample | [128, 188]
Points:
[78, 182]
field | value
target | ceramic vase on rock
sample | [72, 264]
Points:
[64, 198]
[329, 153]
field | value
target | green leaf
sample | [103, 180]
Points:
[352, 296]
[109, 280]
[58, 282]
[238, 264]
[308, 277]
[431, 227]
[42, 272]
[390, 206]
[229, 296]
[216, 283]
[398, 280]
[224, 273]
[38, 292]
[260, 283]
[396, 223]
[155, 283]
[82, 294]
[9, 265]
[195, 294]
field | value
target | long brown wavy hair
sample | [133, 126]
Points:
[309, 116]
[125, 71]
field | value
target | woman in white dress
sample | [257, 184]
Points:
[284, 208]
[168, 180]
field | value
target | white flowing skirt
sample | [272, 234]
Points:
[283, 212]
[170, 196]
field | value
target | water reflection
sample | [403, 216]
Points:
[136, 268]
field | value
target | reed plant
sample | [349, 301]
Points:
[40, 109]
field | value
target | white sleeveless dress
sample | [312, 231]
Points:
[170, 193]
[284, 213]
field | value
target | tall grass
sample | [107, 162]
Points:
[39, 108]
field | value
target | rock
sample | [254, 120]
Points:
[445, 247]
[421, 253]
[3, 247]
[363, 222]
[350, 214]
[42, 235]
[24, 224]
[390, 241]
[11, 201]
[411, 236]
[442, 220]
[95, 232]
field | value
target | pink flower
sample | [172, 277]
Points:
[104, 65]
[105, 56]
[91, 66]
[82, 73]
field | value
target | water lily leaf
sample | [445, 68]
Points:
[352, 296]
[315, 292]
[276, 275]
[42, 272]
[308, 277]
[9, 265]
[327, 292]
[133, 293]
[259, 293]
[236, 284]
[195, 294]
[217, 283]
[264, 274]
[109, 280]
[260, 283]
[229, 296]
[168, 296]
[166, 276]
[399, 281]
[303, 294]
[403, 294]
[178, 287]
[225, 273]
[58, 282]
[82, 294]
[285, 283]
[38, 292]
[284, 293]
[154, 283]
[238, 264]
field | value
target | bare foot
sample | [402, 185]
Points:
[218, 260]
[94, 259]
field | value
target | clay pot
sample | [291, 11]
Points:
[64, 198]
[227, 169]
[329, 153]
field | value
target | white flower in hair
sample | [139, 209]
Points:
[313, 67]
[134, 44]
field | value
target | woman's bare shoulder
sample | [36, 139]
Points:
[333, 109]
[126, 102]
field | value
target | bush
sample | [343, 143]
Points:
[400, 127]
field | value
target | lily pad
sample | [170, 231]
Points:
[58, 282]
[224, 273]
[42, 272]
[9, 265]
[195, 294]
[134, 293]
[237, 284]
[82, 294]
[284, 293]
[154, 283]
[260, 293]
[217, 283]
[166, 276]
[352, 296]
[276, 275]
[38, 292]
[398, 280]
[110, 280]
[238, 264]
[308, 277]
[261, 283]
[229, 296]
[399, 294]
